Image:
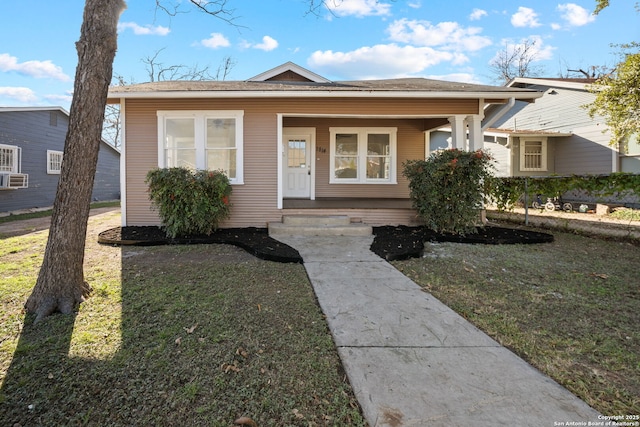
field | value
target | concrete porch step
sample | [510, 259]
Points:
[318, 225]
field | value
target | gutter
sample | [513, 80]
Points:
[487, 122]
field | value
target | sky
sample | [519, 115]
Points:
[344, 40]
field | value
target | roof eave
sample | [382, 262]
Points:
[524, 95]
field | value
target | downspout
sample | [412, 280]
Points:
[501, 112]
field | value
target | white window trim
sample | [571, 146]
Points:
[51, 171]
[543, 162]
[200, 117]
[362, 154]
[17, 158]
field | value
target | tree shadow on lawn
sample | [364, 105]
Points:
[207, 333]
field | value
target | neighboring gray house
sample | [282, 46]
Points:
[31, 152]
[553, 136]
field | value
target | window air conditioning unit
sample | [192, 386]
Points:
[12, 181]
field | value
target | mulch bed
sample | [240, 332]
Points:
[390, 242]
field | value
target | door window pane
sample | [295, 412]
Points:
[297, 153]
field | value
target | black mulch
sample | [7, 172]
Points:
[401, 242]
[390, 242]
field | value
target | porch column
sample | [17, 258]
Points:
[476, 136]
[458, 132]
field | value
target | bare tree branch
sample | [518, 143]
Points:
[515, 61]
[217, 8]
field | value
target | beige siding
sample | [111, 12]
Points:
[255, 202]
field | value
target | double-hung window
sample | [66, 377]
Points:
[363, 155]
[533, 154]
[54, 162]
[205, 140]
[10, 158]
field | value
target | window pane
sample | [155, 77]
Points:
[346, 143]
[378, 144]
[180, 133]
[6, 159]
[377, 167]
[345, 167]
[181, 158]
[297, 154]
[221, 133]
[224, 160]
[533, 154]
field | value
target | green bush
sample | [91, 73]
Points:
[504, 192]
[189, 203]
[447, 188]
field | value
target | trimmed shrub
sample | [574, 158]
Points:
[447, 189]
[189, 203]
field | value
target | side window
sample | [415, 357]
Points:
[54, 162]
[533, 154]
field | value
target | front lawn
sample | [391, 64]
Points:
[571, 308]
[195, 335]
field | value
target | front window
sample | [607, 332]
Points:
[363, 155]
[533, 154]
[206, 140]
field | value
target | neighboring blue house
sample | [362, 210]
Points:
[552, 136]
[31, 153]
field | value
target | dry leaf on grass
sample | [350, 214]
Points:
[245, 421]
[191, 329]
[226, 367]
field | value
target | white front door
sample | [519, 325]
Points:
[297, 162]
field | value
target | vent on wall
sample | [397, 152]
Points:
[12, 181]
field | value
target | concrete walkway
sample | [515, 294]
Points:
[411, 360]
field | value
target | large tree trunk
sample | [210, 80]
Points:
[60, 285]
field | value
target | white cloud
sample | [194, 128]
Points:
[574, 15]
[525, 17]
[477, 14]
[22, 94]
[447, 35]
[414, 5]
[57, 99]
[268, 44]
[372, 62]
[147, 30]
[358, 8]
[215, 41]
[539, 51]
[37, 69]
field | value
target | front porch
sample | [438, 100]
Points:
[370, 211]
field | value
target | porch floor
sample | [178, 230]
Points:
[346, 203]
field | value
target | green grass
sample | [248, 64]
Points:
[626, 214]
[46, 213]
[570, 308]
[172, 335]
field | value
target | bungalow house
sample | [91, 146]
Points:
[553, 136]
[31, 154]
[294, 142]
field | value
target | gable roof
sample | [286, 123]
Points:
[287, 69]
[290, 80]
